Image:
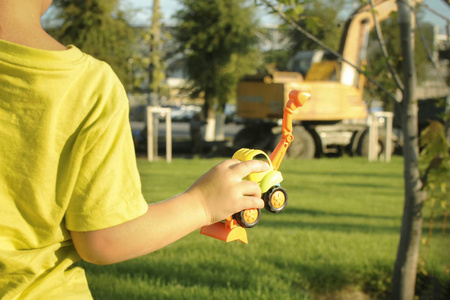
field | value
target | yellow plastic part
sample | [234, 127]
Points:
[245, 154]
[227, 231]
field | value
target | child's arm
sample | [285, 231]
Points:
[216, 195]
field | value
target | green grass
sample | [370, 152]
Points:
[339, 233]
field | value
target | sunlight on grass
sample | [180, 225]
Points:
[339, 230]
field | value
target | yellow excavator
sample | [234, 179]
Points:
[336, 118]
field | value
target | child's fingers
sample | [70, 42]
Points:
[250, 196]
[250, 202]
[245, 168]
[250, 188]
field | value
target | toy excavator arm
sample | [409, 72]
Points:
[296, 99]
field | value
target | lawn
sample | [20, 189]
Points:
[337, 237]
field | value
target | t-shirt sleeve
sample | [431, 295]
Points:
[108, 187]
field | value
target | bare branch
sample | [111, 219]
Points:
[429, 54]
[445, 18]
[384, 49]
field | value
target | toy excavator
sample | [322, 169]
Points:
[274, 196]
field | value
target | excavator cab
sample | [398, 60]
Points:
[315, 65]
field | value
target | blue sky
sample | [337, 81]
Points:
[169, 7]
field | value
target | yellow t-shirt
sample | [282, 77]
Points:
[67, 162]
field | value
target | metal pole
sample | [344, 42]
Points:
[168, 135]
[373, 138]
[150, 149]
[389, 120]
[152, 133]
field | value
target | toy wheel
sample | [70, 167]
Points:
[248, 218]
[275, 199]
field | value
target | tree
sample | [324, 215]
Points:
[156, 68]
[405, 269]
[217, 39]
[321, 19]
[99, 28]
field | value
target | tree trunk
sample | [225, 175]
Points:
[210, 116]
[405, 270]
[220, 127]
[155, 67]
[210, 131]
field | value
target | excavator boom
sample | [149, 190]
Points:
[297, 98]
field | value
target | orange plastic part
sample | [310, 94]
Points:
[278, 199]
[227, 231]
[297, 98]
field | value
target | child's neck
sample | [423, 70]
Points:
[23, 27]
[40, 40]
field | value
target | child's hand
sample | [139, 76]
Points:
[222, 192]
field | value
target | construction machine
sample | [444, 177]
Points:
[336, 118]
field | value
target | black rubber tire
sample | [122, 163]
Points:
[352, 148]
[268, 195]
[363, 145]
[303, 146]
[254, 137]
[245, 137]
[239, 217]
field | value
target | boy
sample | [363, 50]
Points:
[69, 185]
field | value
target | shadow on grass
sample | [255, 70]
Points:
[357, 188]
[299, 277]
[321, 213]
[362, 185]
[364, 228]
[294, 218]
[148, 278]
[341, 174]
[209, 274]
[318, 277]
[299, 214]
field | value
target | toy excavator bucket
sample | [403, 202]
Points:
[227, 231]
